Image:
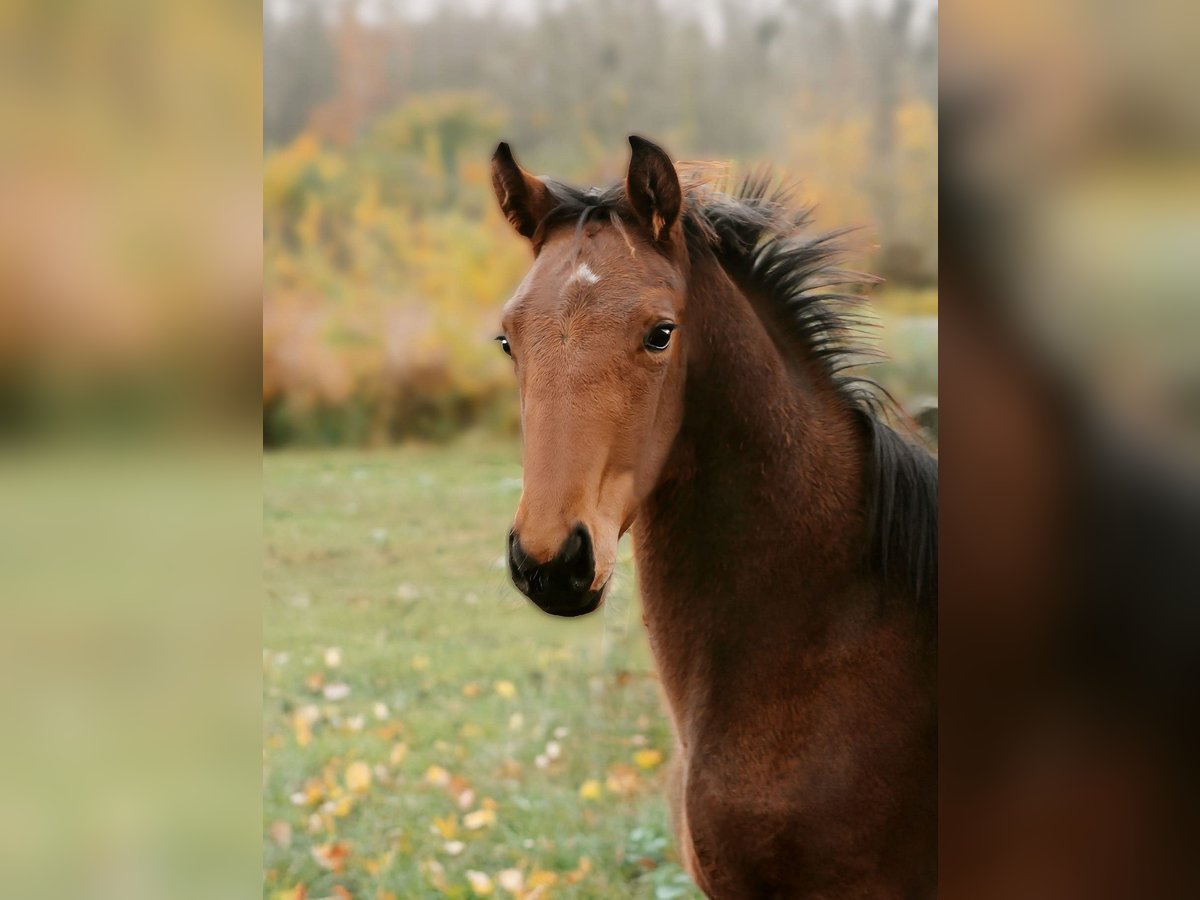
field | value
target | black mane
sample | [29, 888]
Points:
[757, 235]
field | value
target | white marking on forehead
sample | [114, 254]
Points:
[585, 274]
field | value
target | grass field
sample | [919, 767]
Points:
[428, 732]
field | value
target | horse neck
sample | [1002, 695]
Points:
[766, 470]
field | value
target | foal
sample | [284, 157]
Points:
[679, 353]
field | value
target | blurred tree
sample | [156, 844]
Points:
[385, 261]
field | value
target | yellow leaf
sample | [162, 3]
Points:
[577, 874]
[648, 759]
[399, 751]
[481, 883]
[303, 729]
[435, 873]
[446, 826]
[511, 880]
[623, 780]
[379, 864]
[358, 777]
[471, 689]
[541, 878]
[590, 789]
[481, 818]
[506, 689]
[420, 663]
[314, 792]
[438, 776]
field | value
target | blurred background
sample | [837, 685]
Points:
[385, 259]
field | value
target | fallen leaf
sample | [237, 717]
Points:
[437, 776]
[580, 872]
[506, 689]
[420, 663]
[313, 793]
[281, 833]
[380, 863]
[339, 690]
[453, 848]
[511, 880]
[648, 759]
[481, 818]
[481, 883]
[623, 780]
[399, 751]
[331, 856]
[446, 826]
[302, 725]
[333, 657]
[358, 777]
[435, 873]
[590, 789]
[542, 878]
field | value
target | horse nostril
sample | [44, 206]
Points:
[570, 572]
[577, 559]
[574, 544]
[518, 563]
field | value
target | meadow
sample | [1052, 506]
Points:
[427, 731]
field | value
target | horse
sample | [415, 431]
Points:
[682, 349]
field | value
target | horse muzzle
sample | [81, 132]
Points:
[562, 585]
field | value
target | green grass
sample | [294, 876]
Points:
[394, 559]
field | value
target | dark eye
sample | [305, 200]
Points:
[504, 345]
[658, 337]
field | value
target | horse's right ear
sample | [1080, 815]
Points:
[524, 199]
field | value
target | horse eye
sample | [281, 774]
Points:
[658, 337]
[504, 345]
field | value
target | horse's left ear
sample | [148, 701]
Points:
[652, 186]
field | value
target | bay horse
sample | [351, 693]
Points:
[681, 357]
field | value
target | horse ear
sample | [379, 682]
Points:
[652, 187]
[523, 198]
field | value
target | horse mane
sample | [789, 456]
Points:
[757, 234]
